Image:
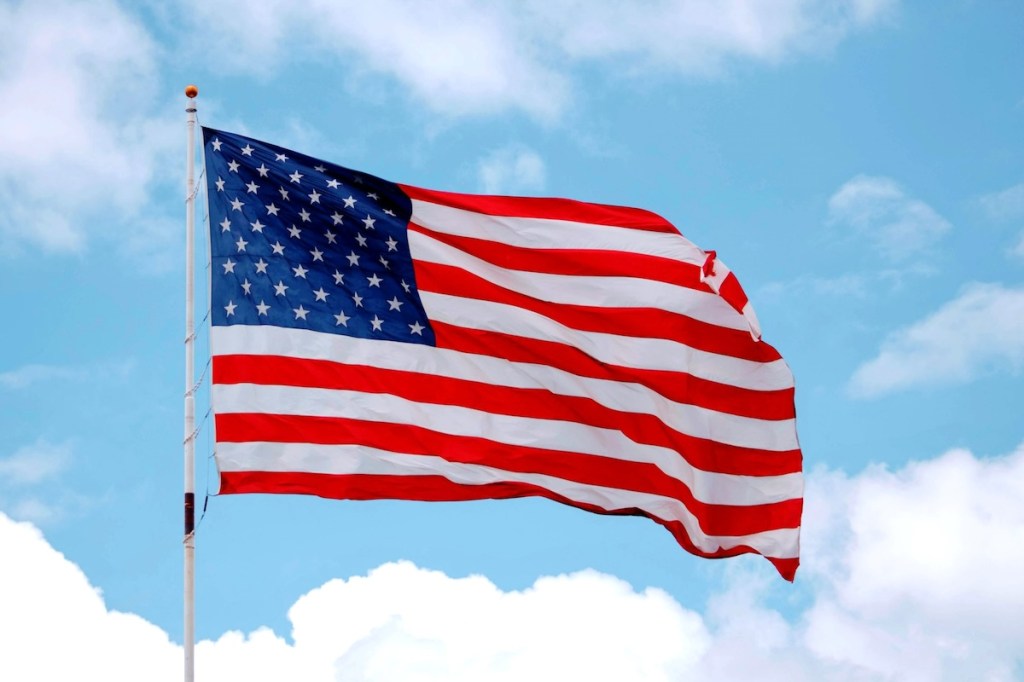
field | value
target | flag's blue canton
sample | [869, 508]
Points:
[302, 243]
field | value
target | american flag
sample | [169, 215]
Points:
[374, 340]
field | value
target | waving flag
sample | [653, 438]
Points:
[376, 340]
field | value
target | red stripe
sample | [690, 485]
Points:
[585, 470]
[631, 322]
[439, 489]
[585, 262]
[733, 293]
[519, 402]
[678, 387]
[551, 209]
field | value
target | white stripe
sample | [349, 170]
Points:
[277, 457]
[545, 233]
[691, 420]
[611, 292]
[611, 349]
[511, 430]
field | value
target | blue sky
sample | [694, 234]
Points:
[859, 165]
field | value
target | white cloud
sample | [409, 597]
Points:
[76, 143]
[30, 375]
[877, 209]
[1007, 204]
[910, 574]
[454, 56]
[463, 58]
[702, 36]
[511, 170]
[31, 464]
[55, 626]
[1017, 250]
[27, 375]
[980, 331]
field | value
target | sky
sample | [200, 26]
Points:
[859, 164]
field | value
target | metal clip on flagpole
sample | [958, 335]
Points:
[190, 410]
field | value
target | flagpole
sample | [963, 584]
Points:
[190, 418]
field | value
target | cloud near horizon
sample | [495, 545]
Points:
[909, 574]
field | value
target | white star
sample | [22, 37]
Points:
[330, 236]
[236, 204]
[374, 281]
[300, 271]
[358, 299]
[233, 166]
[257, 226]
[338, 277]
[361, 239]
[220, 184]
[384, 262]
[392, 244]
[317, 255]
[353, 259]
[278, 248]
[216, 144]
[229, 266]
[295, 177]
[225, 225]
[295, 232]
[337, 218]
[321, 295]
[304, 214]
[300, 312]
[350, 202]
[241, 244]
[319, 169]
[280, 288]
[247, 150]
[272, 210]
[284, 193]
[280, 157]
[405, 286]
[262, 308]
[377, 323]
[263, 170]
[230, 308]
[389, 212]
[416, 328]
[333, 184]
[369, 222]
[371, 195]
[261, 267]
[395, 304]
[246, 286]
[342, 319]
[251, 187]
[314, 197]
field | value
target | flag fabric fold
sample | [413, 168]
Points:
[375, 340]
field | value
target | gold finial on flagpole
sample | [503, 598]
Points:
[191, 91]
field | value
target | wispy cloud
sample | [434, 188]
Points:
[1004, 205]
[461, 58]
[77, 140]
[877, 209]
[979, 331]
[30, 375]
[34, 463]
[511, 169]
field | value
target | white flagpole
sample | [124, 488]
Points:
[190, 417]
